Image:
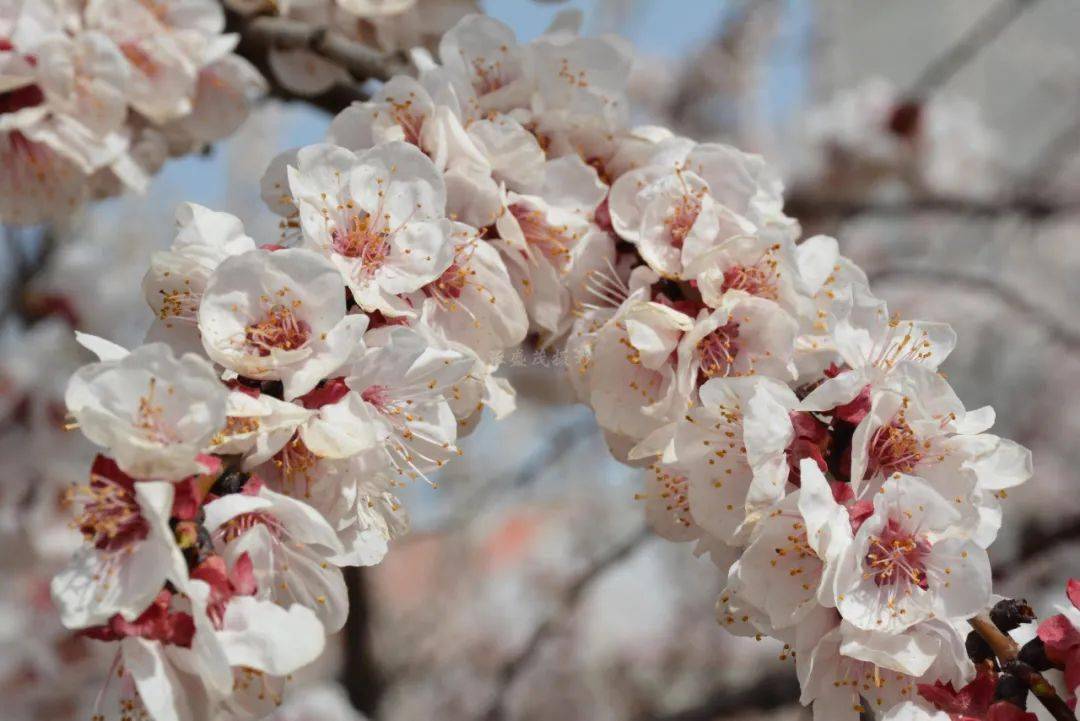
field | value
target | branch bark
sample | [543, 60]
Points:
[287, 34]
[984, 31]
[1006, 651]
[360, 674]
[510, 671]
[261, 33]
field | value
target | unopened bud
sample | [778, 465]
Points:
[1007, 614]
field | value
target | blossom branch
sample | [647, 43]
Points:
[1007, 651]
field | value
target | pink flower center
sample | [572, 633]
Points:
[488, 76]
[718, 350]
[111, 518]
[755, 280]
[897, 556]
[361, 240]
[553, 241]
[894, 448]
[280, 329]
[682, 217]
[240, 524]
[140, 59]
[378, 396]
[411, 123]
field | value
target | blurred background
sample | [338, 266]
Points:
[940, 142]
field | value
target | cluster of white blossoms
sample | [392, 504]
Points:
[796, 431]
[96, 94]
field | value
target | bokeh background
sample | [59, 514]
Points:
[529, 588]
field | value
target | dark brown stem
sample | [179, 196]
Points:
[1006, 651]
[360, 673]
[359, 61]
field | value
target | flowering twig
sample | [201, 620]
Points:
[1006, 651]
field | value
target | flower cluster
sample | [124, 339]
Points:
[95, 95]
[794, 429]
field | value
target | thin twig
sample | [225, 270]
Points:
[810, 205]
[1051, 160]
[259, 34]
[359, 61]
[984, 31]
[510, 671]
[1038, 541]
[771, 691]
[1057, 330]
[1007, 651]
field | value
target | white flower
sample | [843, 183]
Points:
[474, 302]
[746, 335]
[904, 567]
[177, 277]
[395, 413]
[278, 316]
[153, 412]
[290, 545]
[257, 425]
[847, 666]
[551, 244]
[489, 68]
[378, 217]
[131, 554]
[735, 466]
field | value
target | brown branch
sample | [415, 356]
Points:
[984, 31]
[1007, 651]
[28, 267]
[358, 60]
[261, 33]
[360, 673]
[512, 669]
[1051, 160]
[803, 205]
[1038, 541]
[1057, 330]
[772, 691]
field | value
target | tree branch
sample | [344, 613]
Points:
[1006, 651]
[360, 674]
[1058, 331]
[984, 31]
[772, 691]
[1037, 541]
[812, 205]
[512, 669]
[358, 60]
[261, 33]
